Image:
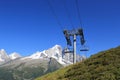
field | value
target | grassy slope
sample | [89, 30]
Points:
[102, 66]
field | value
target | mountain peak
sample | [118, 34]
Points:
[2, 50]
[14, 55]
[57, 45]
[3, 55]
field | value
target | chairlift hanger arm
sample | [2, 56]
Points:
[80, 32]
[67, 37]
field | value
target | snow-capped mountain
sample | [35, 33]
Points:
[3, 56]
[14, 55]
[38, 55]
[55, 52]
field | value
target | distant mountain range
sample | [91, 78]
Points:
[37, 64]
[4, 57]
[55, 52]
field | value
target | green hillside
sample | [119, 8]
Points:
[102, 66]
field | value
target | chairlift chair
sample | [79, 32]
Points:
[84, 48]
[68, 50]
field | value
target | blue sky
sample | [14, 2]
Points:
[27, 26]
